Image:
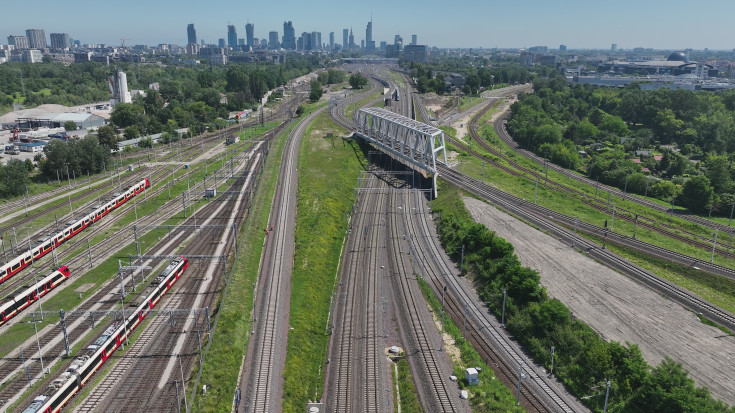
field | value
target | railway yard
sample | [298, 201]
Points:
[148, 251]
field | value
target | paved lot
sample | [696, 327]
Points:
[617, 307]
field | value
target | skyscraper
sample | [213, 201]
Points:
[36, 38]
[191, 34]
[613, 47]
[60, 40]
[250, 34]
[221, 43]
[398, 42]
[414, 40]
[316, 40]
[20, 42]
[306, 40]
[352, 40]
[369, 43]
[273, 40]
[289, 36]
[231, 36]
[331, 40]
[345, 43]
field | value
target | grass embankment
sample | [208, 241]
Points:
[707, 287]
[328, 171]
[350, 109]
[221, 367]
[488, 396]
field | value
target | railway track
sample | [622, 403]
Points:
[546, 220]
[148, 387]
[436, 395]
[354, 379]
[540, 393]
[263, 383]
[537, 394]
[103, 300]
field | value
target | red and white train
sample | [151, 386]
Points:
[78, 374]
[26, 297]
[45, 246]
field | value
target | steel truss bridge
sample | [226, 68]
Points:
[414, 142]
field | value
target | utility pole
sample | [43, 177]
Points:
[552, 362]
[612, 221]
[607, 395]
[502, 317]
[461, 261]
[535, 192]
[714, 245]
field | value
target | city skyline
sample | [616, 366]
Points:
[579, 25]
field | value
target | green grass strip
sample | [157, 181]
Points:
[328, 171]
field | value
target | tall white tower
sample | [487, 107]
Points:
[119, 88]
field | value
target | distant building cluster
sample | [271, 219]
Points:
[33, 47]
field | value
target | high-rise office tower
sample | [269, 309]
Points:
[614, 47]
[306, 41]
[316, 40]
[369, 44]
[191, 34]
[414, 39]
[562, 48]
[289, 36]
[36, 38]
[352, 39]
[20, 42]
[345, 35]
[221, 43]
[60, 40]
[231, 36]
[398, 42]
[250, 34]
[273, 40]
[331, 40]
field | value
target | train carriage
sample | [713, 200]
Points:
[28, 296]
[44, 246]
[80, 374]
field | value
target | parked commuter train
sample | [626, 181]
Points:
[81, 370]
[29, 295]
[44, 246]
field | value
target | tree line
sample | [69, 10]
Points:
[692, 131]
[432, 78]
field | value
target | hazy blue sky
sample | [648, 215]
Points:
[670, 24]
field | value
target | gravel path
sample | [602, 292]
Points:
[617, 307]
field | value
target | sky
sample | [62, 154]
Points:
[589, 24]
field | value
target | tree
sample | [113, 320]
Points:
[14, 178]
[107, 136]
[316, 91]
[697, 194]
[358, 81]
[131, 132]
[145, 143]
[70, 125]
[127, 114]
